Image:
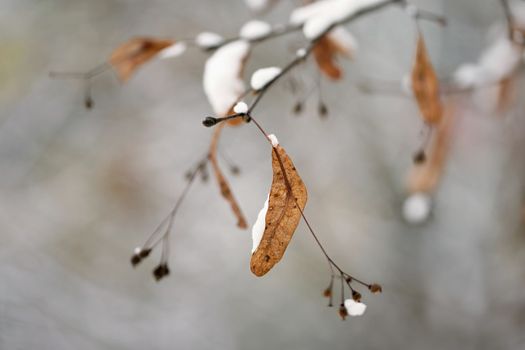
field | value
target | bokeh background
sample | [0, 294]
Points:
[80, 189]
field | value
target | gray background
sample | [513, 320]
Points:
[80, 189]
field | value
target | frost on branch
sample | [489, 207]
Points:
[223, 83]
[287, 199]
[127, 58]
[318, 17]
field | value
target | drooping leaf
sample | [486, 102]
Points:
[425, 85]
[329, 47]
[128, 57]
[226, 191]
[425, 176]
[287, 199]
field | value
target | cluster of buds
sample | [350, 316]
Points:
[350, 306]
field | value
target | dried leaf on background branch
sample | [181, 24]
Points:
[425, 177]
[221, 179]
[223, 77]
[338, 42]
[127, 58]
[286, 201]
[425, 85]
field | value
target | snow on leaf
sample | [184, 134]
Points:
[174, 50]
[128, 57]
[425, 85]
[226, 191]
[261, 77]
[207, 40]
[319, 16]
[223, 83]
[258, 226]
[337, 42]
[354, 308]
[254, 30]
[287, 199]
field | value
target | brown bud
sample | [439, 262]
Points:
[161, 271]
[298, 108]
[343, 312]
[356, 296]
[327, 292]
[135, 260]
[420, 157]
[322, 109]
[375, 288]
[88, 103]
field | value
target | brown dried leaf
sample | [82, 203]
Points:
[287, 199]
[324, 53]
[128, 57]
[425, 177]
[425, 85]
[337, 42]
[226, 191]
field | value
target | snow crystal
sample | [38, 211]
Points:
[174, 50]
[208, 39]
[317, 17]
[222, 82]
[254, 30]
[263, 76]
[274, 140]
[354, 308]
[258, 227]
[240, 107]
[416, 208]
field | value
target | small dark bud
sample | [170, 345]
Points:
[356, 296]
[235, 170]
[327, 292]
[209, 121]
[135, 260]
[375, 288]
[343, 312]
[322, 109]
[161, 271]
[348, 279]
[88, 103]
[188, 175]
[298, 108]
[420, 157]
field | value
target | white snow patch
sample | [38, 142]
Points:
[355, 308]
[240, 107]
[416, 208]
[208, 39]
[274, 140]
[317, 17]
[222, 80]
[497, 62]
[263, 76]
[259, 225]
[254, 30]
[174, 50]
[137, 250]
[301, 52]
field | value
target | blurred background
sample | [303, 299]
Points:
[80, 189]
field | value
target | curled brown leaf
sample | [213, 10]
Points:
[425, 85]
[287, 199]
[128, 57]
[226, 191]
